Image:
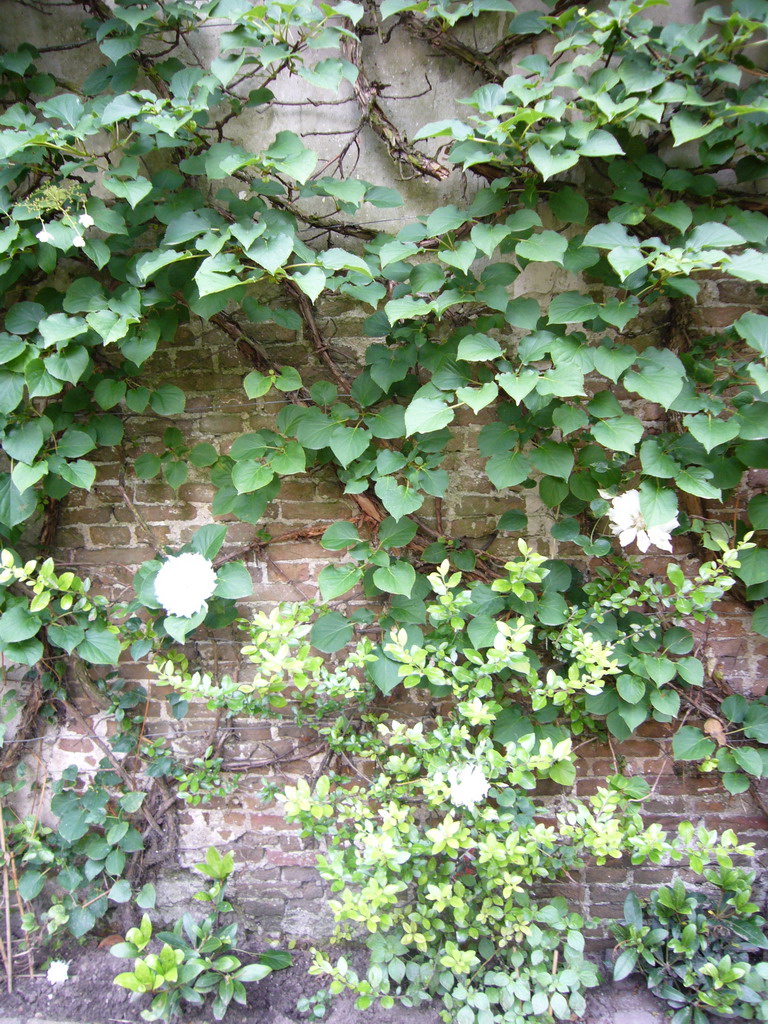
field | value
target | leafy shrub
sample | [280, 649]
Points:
[197, 958]
[699, 949]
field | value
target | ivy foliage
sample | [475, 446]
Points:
[622, 159]
[588, 167]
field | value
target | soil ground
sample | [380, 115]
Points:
[89, 997]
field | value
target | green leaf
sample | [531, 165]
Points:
[630, 688]
[289, 155]
[15, 506]
[396, 534]
[349, 443]
[256, 384]
[79, 473]
[711, 432]
[572, 308]
[600, 143]
[518, 386]
[620, 434]
[657, 504]
[11, 391]
[666, 702]
[73, 825]
[397, 578]
[18, 624]
[250, 476]
[335, 580]
[132, 190]
[760, 622]
[554, 459]
[31, 884]
[398, 499]
[331, 632]
[749, 760]
[514, 521]
[625, 964]
[253, 972]
[543, 247]
[74, 443]
[487, 237]
[339, 536]
[754, 566]
[120, 891]
[424, 415]
[478, 398]
[100, 646]
[654, 460]
[753, 328]
[146, 898]
[569, 205]
[272, 253]
[233, 581]
[168, 400]
[686, 127]
[690, 744]
[477, 348]
[547, 163]
[507, 469]
[659, 378]
[109, 393]
[749, 265]
[147, 466]
[24, 443]
[81, 920]
[312, 282]
[735, 783]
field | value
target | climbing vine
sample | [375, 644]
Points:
[622, 155]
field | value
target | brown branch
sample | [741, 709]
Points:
[259, 543]
[6, 950]
[136, 514]
[447, 43]
[26, 729]
[84, 724]
[324, 222]
[367, 94]
[504, 49]
[319, 344]
[293, 755]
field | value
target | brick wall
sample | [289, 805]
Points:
[122, 522]
[106, 533]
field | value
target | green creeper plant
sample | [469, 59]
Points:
[625, 153]
[71, 875]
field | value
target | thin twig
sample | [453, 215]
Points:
[86, 725]
[5, 947]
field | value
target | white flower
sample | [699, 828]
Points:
[58, 972]
[628, 524]
[78, 241]
[86, 220]
[468, 785]
[243, 194]
[44, 235]
[185, 583]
